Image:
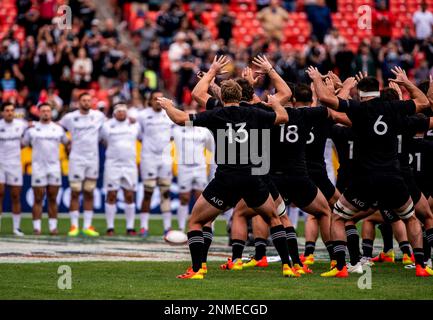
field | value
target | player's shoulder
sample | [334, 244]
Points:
[97, 113]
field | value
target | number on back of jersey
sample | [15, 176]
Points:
[417, 157]
[380, 127]
[241, 135]
[290, 135]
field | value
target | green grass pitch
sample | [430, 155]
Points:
[157, 280]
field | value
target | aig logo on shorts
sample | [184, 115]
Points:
[217, 201]
[358, 202]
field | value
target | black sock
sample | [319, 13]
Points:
[309, 248]
[367, 248]
[237, 248]
[278, 236]
[387, 235]
[426, 246]
[196, 243]
[353, 244]
[260, 245]
[405, 247]
[419, 256]
[292, 243]
[330, 247]
[340, 253]
[429, 236]
[207, 236]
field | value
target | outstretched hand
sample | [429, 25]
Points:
[361, 75]
[396, 87]
[248, 75]
[165, 103]
[263, 64]
[219, 63]
[400, 76]
[313, 73]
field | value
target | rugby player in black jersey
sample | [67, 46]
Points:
[238, 174]
[377, 178]
[241, 211]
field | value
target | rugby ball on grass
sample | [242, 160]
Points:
[176, 237]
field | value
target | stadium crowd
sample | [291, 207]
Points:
[55, 65]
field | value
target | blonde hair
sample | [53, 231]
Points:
[231, 91]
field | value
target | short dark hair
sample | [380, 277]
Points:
[6, 104]
[153, 92]
[247, 89]
[368, 84]
[424, 86]
[83, 94]
[43, 104]
[302, 93]
[389, 94]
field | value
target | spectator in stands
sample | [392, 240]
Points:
[315, 53]
[224, 23]
[423, 21]
[389, 58]
[319, 15]
[188, 67]
[422, 72]
[168, 22]
[261, 4]
[364, 61]
[407, 41]
[110, 30]
[382, 22]
[43, 61]
[273, 19]
[333, 41]
[47, 10]
[343, 61]
[82, 69]
[289, 5]
[177, 50]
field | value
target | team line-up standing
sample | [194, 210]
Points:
[382, 143]
[87, 128]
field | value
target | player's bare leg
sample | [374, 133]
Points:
[183, 210]
[15, 193]
[52, 192]
[74, 207]
[2, 194]
[312, 231]
[110, 211]
[164, 188]
[38, 194]
[89, 186]
[268, 211]
[319, 208]
[129, 196]
[149, 186]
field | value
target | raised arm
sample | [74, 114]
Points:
[200, 91]
[177, 116]
[325, 96]
[347, 86]
[419, 98]
[274, 103]
[283, 92]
